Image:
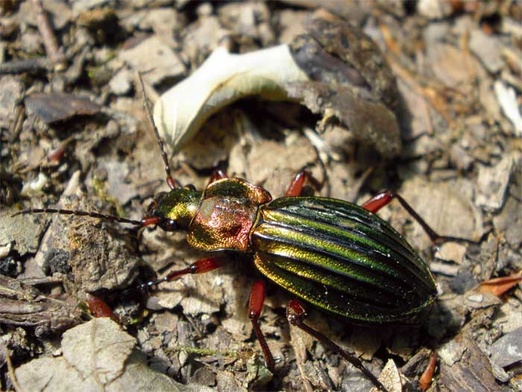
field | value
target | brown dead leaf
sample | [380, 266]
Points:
[349, 79]
[54, 107]
[499, 286]
[18, 233]
[427, 376]
[439, 205]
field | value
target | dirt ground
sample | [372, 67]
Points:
[426, 103]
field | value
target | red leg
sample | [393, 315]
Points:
[297, 184]
[384, 198]
[295, 313]
[198, 267]
[257, 298]
[218, 174]
[378, 201]
[99, 307]
[171, 182]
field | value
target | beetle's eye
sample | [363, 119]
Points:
[169, 225]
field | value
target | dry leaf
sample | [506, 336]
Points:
[508, 102]
[427, 376]
[54, 107]
[24, 305]
[222, 79]
[97, 356]
[464, 367]
[351, 82]
[499, 286]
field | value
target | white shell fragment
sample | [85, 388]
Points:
[222, 79]
[508, 102]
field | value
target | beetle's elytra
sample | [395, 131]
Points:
[343, 259]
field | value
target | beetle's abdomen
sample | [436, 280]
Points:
[341, 258]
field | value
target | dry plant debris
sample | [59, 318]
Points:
[96, 355]
[350, 83]
[429, 105]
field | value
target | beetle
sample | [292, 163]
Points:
[335, 255]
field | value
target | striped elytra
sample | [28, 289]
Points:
[343, 259]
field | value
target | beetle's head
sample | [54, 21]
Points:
[173, 210]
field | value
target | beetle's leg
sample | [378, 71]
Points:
[384, 198]
[255, 305]
[99, 307]
[295, 313]
[198, 267]
[297, 184]
[218, 174]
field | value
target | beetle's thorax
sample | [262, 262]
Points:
[226, 214]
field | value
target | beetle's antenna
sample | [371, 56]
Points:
[146, 103]
[92, 214]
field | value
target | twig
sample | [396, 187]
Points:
[11, 372]
[29, 65]
[49, 39]
[16, 125]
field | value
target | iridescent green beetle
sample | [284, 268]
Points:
[333, 254]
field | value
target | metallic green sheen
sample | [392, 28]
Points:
[180, 205]
[343, 259]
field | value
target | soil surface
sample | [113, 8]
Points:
[419, 97]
